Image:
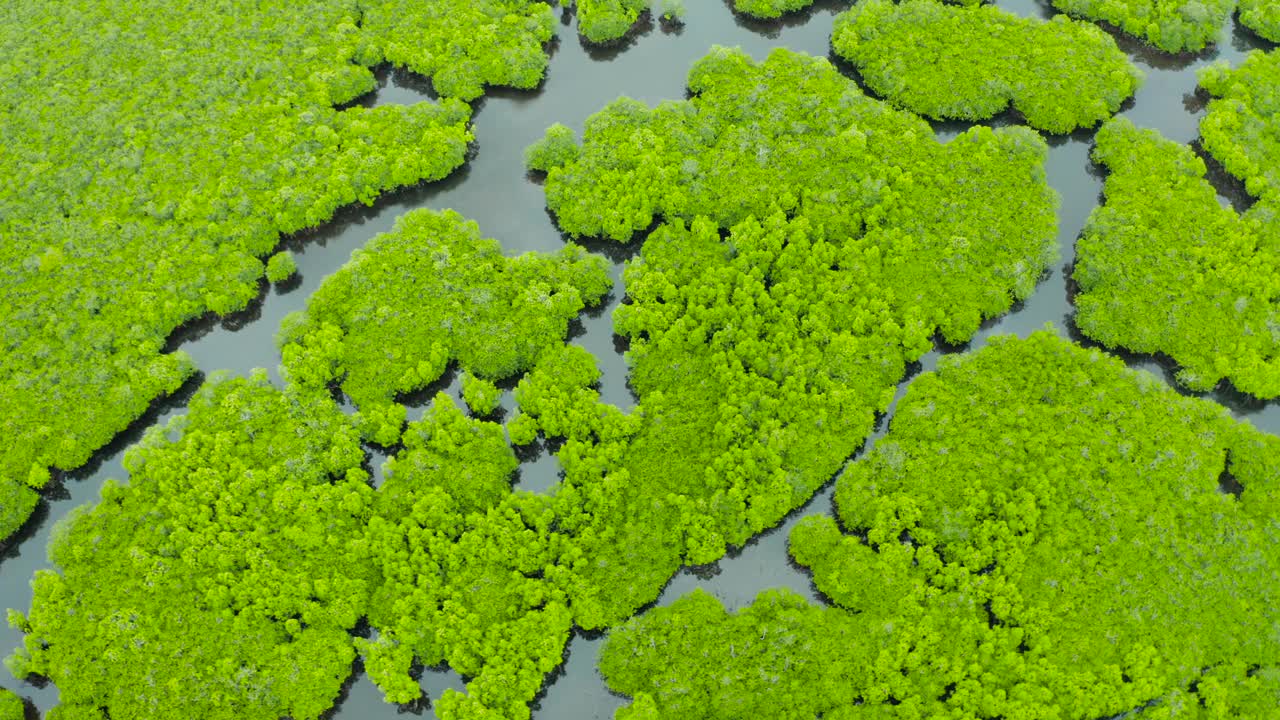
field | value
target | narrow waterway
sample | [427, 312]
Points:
[494, 190]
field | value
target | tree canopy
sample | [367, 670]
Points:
[760, 353]
[970, 63]
[769, 9]
[1163, 267]
[1262, 17]
[1241, 129]
[430, 292]
[792, 133]
[11, 707]
[281, 267]
[603, 21]
[164, 152]
[1171, 25]
[1042, 533]
[223, 581]
[466, 570]
[463, 45]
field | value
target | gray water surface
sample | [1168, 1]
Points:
[494, 190]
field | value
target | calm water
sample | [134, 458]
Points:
[494, 190]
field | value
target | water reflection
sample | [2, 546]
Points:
[577, 690]
[761, 564]
[539, 469]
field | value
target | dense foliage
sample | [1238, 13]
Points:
[763, 355]
[162, 152]
[789, 326]
[480, 395]
[430, 292]
[1042, 533]
[759, 354]
[223, 581]
[769, 9]
[778, 658]
[803, 244]
[462, 561]
[463, 45]
[281, 267]
[17, 502]
[791, 133]
[602, 21]
[970, 63]
[11, 707]
[1262, 17]
[168, 174]
[1171, 25]
[1242, 127]
[1163, 267]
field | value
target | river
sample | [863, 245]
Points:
[494, 190]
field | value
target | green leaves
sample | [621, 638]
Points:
[810, 144]
[1163, 267]
[556, 148]
[1262, 17]
[1242, 127]
[223, 581]
[602, 21]
[768, 9]
[11, 707]
[183, 147]
[763, 344]
[480, 395]
[464, 46]
[971, 62]
[1040, 534]
[430, 292]
[760, 352]
[281, 267]
[779, 658]
[1171, 25]
[461, 561]
[17, 502]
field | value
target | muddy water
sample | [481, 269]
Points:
[494, 190]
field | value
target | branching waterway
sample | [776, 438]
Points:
[494, 189]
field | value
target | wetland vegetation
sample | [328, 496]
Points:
[1038, 531]
[1042, 533]
[971, 62]
[1162, 245]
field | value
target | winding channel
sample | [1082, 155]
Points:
[494, 190]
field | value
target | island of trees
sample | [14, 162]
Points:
[1163, 247]
[971, 62]
[1041, 533]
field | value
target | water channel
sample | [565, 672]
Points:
[494, 190]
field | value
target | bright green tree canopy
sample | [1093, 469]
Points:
[970, 63]
[224, 579]
[1162, 267]
[429, 292]
[1042, 533]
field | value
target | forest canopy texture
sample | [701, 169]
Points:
[169, 176]
[1042, 533]
[432, 291]
[1039, 533]
[970, 63]
[1162, 246]
[794, 329]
